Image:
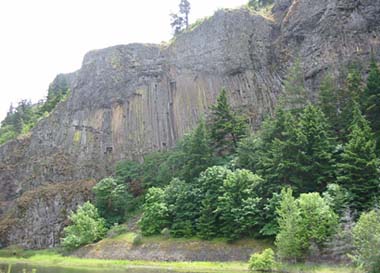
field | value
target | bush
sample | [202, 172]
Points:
[304, 223]
[87, 227]
[156, 213]
[137, 240]
[367, 241]
[262, 261]
[116, 230]
[112, 199]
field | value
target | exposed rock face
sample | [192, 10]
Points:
[127, 101]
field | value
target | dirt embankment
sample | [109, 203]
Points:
[124, 247]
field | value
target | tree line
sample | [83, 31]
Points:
[294, 180]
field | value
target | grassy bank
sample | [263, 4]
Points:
[54, 259]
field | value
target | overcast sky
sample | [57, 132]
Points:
[41, 38]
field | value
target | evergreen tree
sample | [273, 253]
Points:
[358, 169]
[197, 152]
[226, 127]
[295, 97]
[314, 151]
[328, 101]
[280, 155]
[184, 9]
[180, 21]
[372, 100]
[348, 97]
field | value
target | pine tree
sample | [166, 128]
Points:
[226, 127]
[315, 149]
[184, 9]
[348, 97]
[358, 169]
[372, 100]
[279, 160]
[198, 153]
[295, 97]
[328, 101]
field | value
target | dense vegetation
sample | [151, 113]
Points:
[19, 120]
[295, 180]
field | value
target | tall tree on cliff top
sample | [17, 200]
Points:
[184, 9]
[180, 21]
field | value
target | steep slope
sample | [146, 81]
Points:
[129, 100]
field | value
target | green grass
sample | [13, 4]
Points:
[54, 259]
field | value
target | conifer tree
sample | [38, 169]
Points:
[198, 153]
[348, 97]
[358, 169]
[295, 97]
[277, 158]
[328, 101]
[226, 127]
[372, 100]
[314, 151]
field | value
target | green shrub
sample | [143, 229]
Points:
[137, 240]
[304, 222]
[112, 200]
[262, 261]
[367, 241]
[87, 227]
[117, 230]
[156, 213]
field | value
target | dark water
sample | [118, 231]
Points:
[23, 268]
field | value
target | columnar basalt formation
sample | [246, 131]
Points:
[129, 100]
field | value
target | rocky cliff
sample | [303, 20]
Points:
[129, 100]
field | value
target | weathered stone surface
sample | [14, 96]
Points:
[129, 100]
[38, 216]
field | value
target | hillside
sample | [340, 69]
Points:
[129, 100]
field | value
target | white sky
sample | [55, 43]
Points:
[41, 38]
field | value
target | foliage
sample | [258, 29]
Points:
[258, 4]
[183, 201]
[371, 99]
[358, 169]
[198, 155]
[337, 198]
[262, 261]
[295, 96]
[156, 213]
[111, 199]
[288, 240]
[303, 222]
[86, 227]
[366, 235]
[238, 204]
[180, 21]
[210, 185]
[21, 119]
[226, 127]
[319, 221]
